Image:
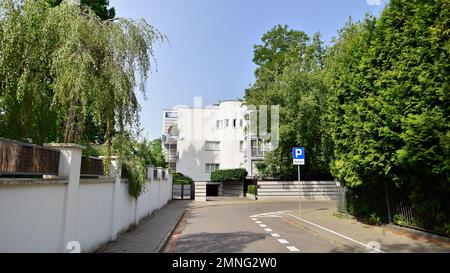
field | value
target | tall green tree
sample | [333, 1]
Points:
[390, 96]
[289, 74]
[61, 69]
[389, 82]
[157, 156]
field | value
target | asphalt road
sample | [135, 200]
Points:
[232, 229]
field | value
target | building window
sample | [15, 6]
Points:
[227, 123]
[258, 148]
[241, 123]
[241, 146]
[171, 114]
[234, 123]
[212, 146]
[219, 124]
[209, 168]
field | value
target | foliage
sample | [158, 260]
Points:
[134, 156]
[179, 178]
[252, 189]
[134, 171]
[100, 7]
[362, 202]
[289, 74]
[229, 175]
[157, 157]
[399, 220]
[389, 105]
[64, 73]
[388, 108]
[374, 219]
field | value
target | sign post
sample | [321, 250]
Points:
[298, 156]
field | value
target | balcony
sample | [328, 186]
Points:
[170, 139]
[258, 152]
[174, 156]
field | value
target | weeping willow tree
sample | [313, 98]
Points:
[66, 73]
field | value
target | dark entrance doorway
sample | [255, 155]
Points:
[212, 190]
[248, 182]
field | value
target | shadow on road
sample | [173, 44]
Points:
[208, 242]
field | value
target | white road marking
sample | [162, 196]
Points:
[269, 214]
[293, 249]
[338, 234]
[276, 214]
[283, 241]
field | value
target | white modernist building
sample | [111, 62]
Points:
[200, 140]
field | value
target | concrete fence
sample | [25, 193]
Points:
[200, 190]
[45, 215]
[310, 190]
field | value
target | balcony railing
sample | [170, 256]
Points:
[174, 156]
[258, 152]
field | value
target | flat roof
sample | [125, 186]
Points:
[215, 105]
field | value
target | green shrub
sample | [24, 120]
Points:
[399, 220]
[134, 171]
[374, 219]
[179, 178]
[251, 189]
[229, 175]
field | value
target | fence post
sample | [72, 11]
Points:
[115, 172]
[69, 168]
[388, 204]
[159, 178]
[150, 182]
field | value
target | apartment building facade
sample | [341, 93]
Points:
[198, 141]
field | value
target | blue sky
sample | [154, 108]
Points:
[211, 43]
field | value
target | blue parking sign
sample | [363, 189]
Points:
[298, 155]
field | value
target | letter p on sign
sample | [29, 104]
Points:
[298, 155]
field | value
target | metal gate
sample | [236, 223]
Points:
[341, 198]
[182, 192]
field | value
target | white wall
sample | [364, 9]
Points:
[31, 217]
[32, 212]
[310, 190]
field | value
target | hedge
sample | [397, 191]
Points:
[179, 178]
[251, 189]
[229, 175]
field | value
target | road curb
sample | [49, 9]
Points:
[321, 233]
[172, 229]
[244, 202]
[421, 235]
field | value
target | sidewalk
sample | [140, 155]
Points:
[357, 236]
[150, 236]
